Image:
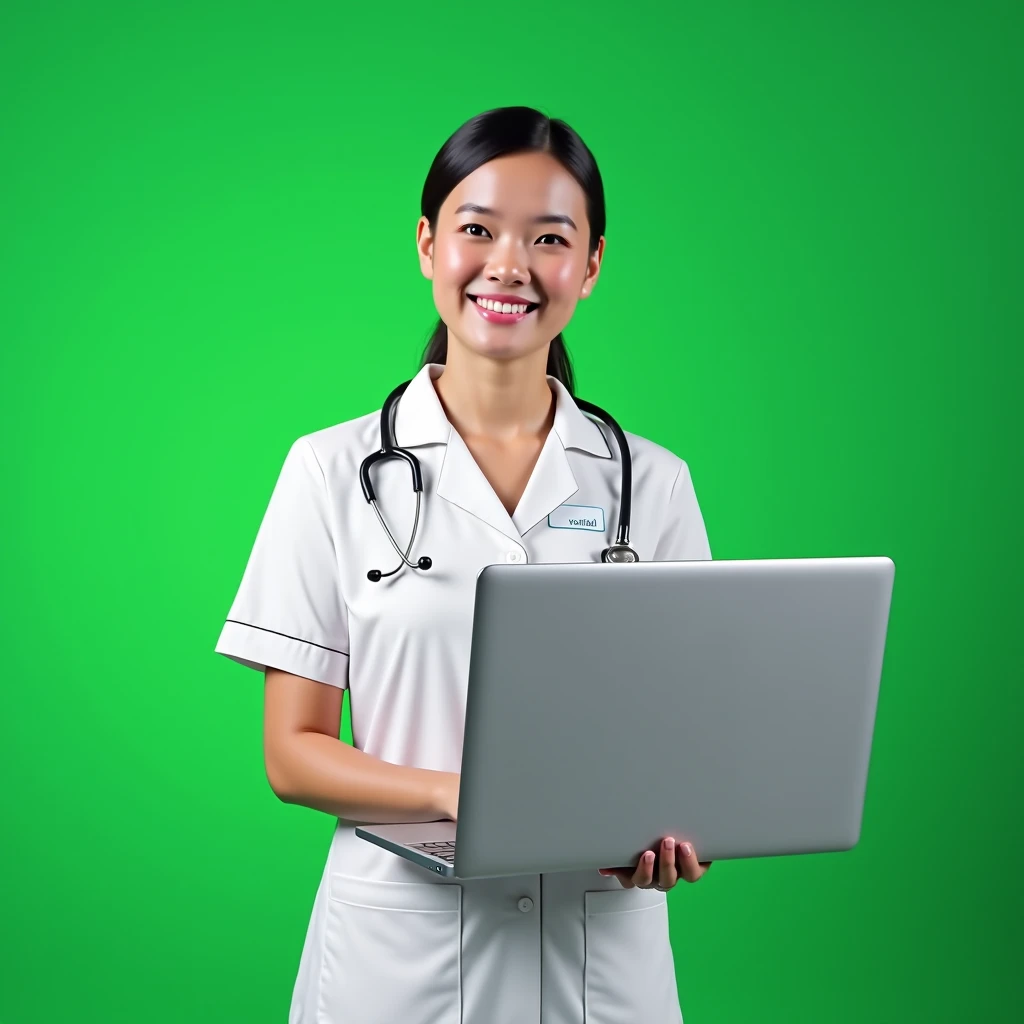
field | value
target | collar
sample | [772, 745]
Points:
[420, 418]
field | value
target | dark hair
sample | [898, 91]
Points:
[503, 132]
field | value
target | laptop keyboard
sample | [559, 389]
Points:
[444, 851]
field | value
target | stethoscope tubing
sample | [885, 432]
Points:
[390, 450]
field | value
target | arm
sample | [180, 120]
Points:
[307, 764]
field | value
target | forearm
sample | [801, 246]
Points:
[327, 774]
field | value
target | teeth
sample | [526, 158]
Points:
[502, 307]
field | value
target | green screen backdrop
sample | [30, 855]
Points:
[812, 292]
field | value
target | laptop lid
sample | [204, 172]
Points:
[727, 703]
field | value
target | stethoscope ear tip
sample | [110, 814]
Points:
[375, 575]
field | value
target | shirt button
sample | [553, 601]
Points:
[525, 904]
[514, 556]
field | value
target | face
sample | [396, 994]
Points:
[514, 230]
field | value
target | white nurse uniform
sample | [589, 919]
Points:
[388, 942]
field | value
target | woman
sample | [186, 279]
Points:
[511, 237]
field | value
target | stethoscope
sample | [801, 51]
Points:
[620, 551]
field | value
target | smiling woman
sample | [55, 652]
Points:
[509, 468]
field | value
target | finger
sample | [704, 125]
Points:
[667, 873]
[689, 867]
[624, 875]
[644, 875]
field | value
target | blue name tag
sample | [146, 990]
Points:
[577, 517]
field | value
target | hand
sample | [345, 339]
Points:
[676, 862]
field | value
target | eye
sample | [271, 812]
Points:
[466, 228]
[559, 238]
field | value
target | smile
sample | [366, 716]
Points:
[502, 312]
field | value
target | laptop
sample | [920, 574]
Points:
[730, 704]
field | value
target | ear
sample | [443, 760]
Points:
[593, 269]
[425, 248]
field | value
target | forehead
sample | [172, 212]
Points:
[523, 184]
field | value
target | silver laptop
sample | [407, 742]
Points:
[730, 704]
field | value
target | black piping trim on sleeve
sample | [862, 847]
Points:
[288, 637]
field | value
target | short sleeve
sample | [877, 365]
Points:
[289, 612]
[683, 537]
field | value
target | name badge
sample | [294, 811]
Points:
[577, 517]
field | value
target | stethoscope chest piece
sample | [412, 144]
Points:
[619, 553]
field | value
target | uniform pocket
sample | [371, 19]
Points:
[628, 971]
[392, 952]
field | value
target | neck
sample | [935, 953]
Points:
[500, 400]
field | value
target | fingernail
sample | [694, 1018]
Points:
[670, 843]
[687, 850]
[649, 856]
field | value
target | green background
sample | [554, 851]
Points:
[812, 292]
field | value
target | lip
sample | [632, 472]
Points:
[501, 318]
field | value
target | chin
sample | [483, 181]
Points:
[503, 351]
[499, 343]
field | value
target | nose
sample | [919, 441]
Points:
[508, 264]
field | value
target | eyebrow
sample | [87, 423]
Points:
[544, 218]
